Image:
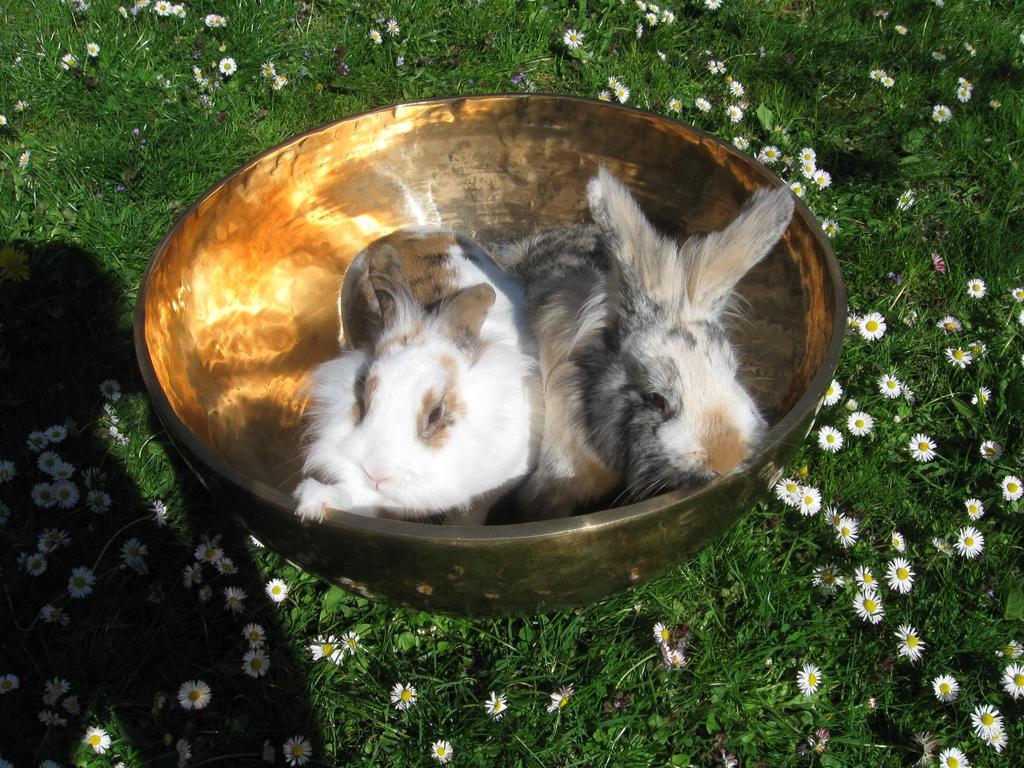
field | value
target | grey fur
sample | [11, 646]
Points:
[604, 302]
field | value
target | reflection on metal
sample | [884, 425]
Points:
[238, 306]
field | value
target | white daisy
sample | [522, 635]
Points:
[941, 113]
[9, 682]
[675, 105]
[898, 542]
[991, 450]
[621, 92]
[986, 720]
[327, 648]
[975, 509]
[276, 590]
[194, 694]
[769, 155]
[736, 88]
[827, 578]
[716, 67]
[959, 357]
[889, 386]
[702, 104]
[787, 490]
[808, 679]
[976, 288]
[441, 751]
[969, 542]
[872, 326]
[798, 188]
[376, 37]
[1012, 650]
[1013, 680]
[810, 500]
[830, 227]
[350, 642]
[846, 531]
[734, 112]
[830, 439]
[227, 66]
[953, 758]
[868, 606]
[1012, 487]
[997, 740]
[833, 393]
[403, 696]
[80, 582]
[981, 396]
[254, 635]
[496, 705]
[900, 575]
[946, 688]
[922, 448]
[234, 599]
[906, 200]
[92, 50]
[911, 644]
[1017, 294]
[822, 178]
[863, 575]
[215, 21]
[297, 750]
[98, 739]
[572, 39]
[560, 698]
[255, 662]
[860, 423]
[949, 324]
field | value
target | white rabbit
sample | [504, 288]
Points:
[640, 381]
[429, 409]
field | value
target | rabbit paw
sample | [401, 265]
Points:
[315, 498]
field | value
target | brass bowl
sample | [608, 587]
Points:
[238, 306]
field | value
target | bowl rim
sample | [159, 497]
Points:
[454, 534]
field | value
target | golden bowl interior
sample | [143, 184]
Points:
[239, 306]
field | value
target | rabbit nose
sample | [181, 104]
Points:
[725, 451]
[375, 476]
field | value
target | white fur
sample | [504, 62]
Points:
[492, 443]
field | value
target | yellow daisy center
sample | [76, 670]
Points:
[792, 488]
[922, 446]
[828, 577]
[987, 719]
[257, 663]
[845, 531]
[958, 354]
[812, 680]
[406, 695]
[969, 541]
[949, 326]
[1018, 680]
[871, 325]
[563, 701]
[944, 688]
[830, 438]
[869, 579]
[194, 694]
[1008, 650]
[870, 605]
[328, 649]
[902, 574]
[952, 762]
[298, 750]
[912, 641]
[891, 384]
[94, 740]
[441, 751]
[665, 635]
[808, 500]
[973, 509]
[1012, 487]
[859, 423]
[498, 706]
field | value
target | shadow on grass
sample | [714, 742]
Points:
[128, 647]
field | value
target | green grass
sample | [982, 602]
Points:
[94, 200]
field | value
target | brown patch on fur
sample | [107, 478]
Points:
[465, 311]
[723, 444]
[436, 435]
[425, 260]
[391, 344]
[364, 396]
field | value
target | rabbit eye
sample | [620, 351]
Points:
[435, 415]
[658, 402]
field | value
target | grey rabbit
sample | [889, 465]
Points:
[640, 381]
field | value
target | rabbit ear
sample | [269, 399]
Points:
[714, 263]
[385, 279]
[625, 228]
[464, 311]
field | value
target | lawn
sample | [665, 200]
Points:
[141, 626]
